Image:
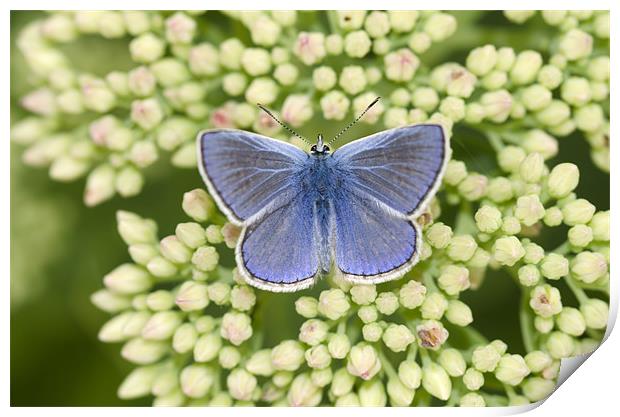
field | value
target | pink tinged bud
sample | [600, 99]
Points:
[147, 113]
[180, 28]
[303, 392]
[296, 110]
[161, 325]
[222, 116]
[431, 334]
[310, 47]
[241, 384]
[41, 101]
[545, 300]
[192, 296]
[196, 380]
[401, 65]
[363, 361]
[236, 327]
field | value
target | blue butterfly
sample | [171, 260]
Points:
[300, 212]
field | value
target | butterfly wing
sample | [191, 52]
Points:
[247, 173]
[279, 251]
[401, 167]
[387, 179]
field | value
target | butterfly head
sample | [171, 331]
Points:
[320, 148]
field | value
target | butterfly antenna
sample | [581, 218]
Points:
[266, 110]
[350, 125]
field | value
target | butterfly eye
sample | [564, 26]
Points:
[313, 148]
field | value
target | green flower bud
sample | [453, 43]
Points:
[576, 44]
[411, 295]
[401, 65]
[595, 313]
[160, 300]
[377, 24]
[306, 306]
[499, 190]
[372, 332]
[473, 187]
[348, 400]
[402, 20]
[184, 338]
[431, 334]
[318, 357]
[282, 379]
[529, 275]
[488, 219]
[440, 26]
[146, 48]
[579, 211]
[334, 44]
[196, 380]
[452, 361]
[287, 356]
[486, 358]
[127, 279]
[335, 105]
[532, 168]
[313, 331]
[545, 300]
[397, 337]
[508, 250]
[461, 248]
[473, 379]
[453, 108]
[538, 141]
[109, 301]
[399, 394]
[161, 325]
[205, 258]
[536, 97]
[580, 235]
[321, 377]
[387, 303]
[560, 345]
[363, 294]
[363, 361]
[553, 216]
[357, 44]
[241, 384]
[419, 42]
[229, 357]
[576, 91]
[286, 74]
[139, 382]
[351, 19]
[262, 90]
[425, 98]
[600, 226]
[554, 114]
[589, 118]
[338, 346]
[372, 394]
[526, 67]
[368, 314]
[536, 388]
[242, 298]
[454, 279]
[562, 180]
[459, 313]
[588, 266]
[236, 327]
[529, 210]
[333, 303]
[472, 399]
[511, 369]
[434, 306]
[550, 76]
[207, 347]
[410, 374]
[342, 383]
[123, 326]
[571, 321]
[598, 68]
[482, 60]
[143, 352]
[436, 381]
[310, 47]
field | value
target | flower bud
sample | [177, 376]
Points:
[363, 294]
[560, 345]
[562, 180]
[473, 187]
[236, 327]
[529, 210]
[127, 279]
[198, 205]
[399, 394]
[161, 325]
[287, 356]
[401, 65]
[241, 384]
[184, 338]
[508, 250]
[481, 60]
[580, 235]
[452, 361]
[587, 266]
[440, 26]
[318, 357]
[387, 303]
[338, 346]
[554, 266]
[600, 226]
[411, 295]
[174, 250]
[109, 301]
[545, 300]
[372, 332]
[461, 248]
[395, 117]
[144, 352]
[473, 379]
[511, 225]
[576, 44]
[219, 293]
[579, 211]
[526, 67]
[454, 279]
[436, 381]
[342, 383]
[511, 369]
[536, 388]
[488, 219]
[397, 337]
[595, 313]
[372, 394]
[357, 44]
[410, 374]
[196, 380]
[571, 321]
[553, 216]
[123, 326]
[334, 105]
[589, 118]
[536, 97]
[207, 347]
[229, 357]
[313, 331]
[334, 44]
[138, 383]
[363, 361]
[532, 168]
[333, 303]
[306, 307]
[377, 24]
[310, 47]
[576, 91]
[434, 306]
[543, 325]
[192, 296]
[486, 358]
[529, 275]
[431, 334]
[459, 313]
[324, 78]
[556, 113]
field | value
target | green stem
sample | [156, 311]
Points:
[525, 321]
[580, 294]
[387, 365]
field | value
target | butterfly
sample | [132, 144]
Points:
[302, 212]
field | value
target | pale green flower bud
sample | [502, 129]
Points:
[556, 113]
[529, 210]
[508, 250]
[461, 248]
[526, 67]
[297, 109]
[180, 28]
[472, 399]
[562, 180]
[138, 383]
[532, 168]
[335, 105]
[485, 358]
[499, 190]
[488, 219]
[205, 258]
[146, 48]
[436, 381]
[147, 114]
[161, 325]
[256, 61]
[207, 347]
[213, 234]
[511, 369]
[230, 53]
[401, 65]
[519, 16]
[170, 72]
[333, 304]
[571, 321]
[473, 187]
[474, 113]
[123, 326]
[191, 234]
[576, 91]
[543, 325]
[598, 68]
[241, 384]
[144, 352]
[129, 181]
[204, 324]
[537, 361]
[425, 98]
[481, 60]
[411, 295]
[116, 80]
[284, 17]
[127, 279]
[322, 377]
[440, 26]
[473, 379]
[310, 47]
[313, 332]
[372, 332]
[286, 74]
[589, 118]
[403, 20]
[529, 275]
[546, 300]
[456, 172]
[536, 388]
[203, 59]
[338, 346]
[219, 293]
[576, 44]
[360, 103]
[533, 253]
[287, 356]
[334, 44]
[454, 279]
[459, 313]
[99, 185]
[397, 337]
[264, 31]
[198, 205]
[410, 374]
[400, 97]
[109, 301]
[453, 108]
[595, 312]
[196, 380]
[363, 294]
[357, 44]
[174, 250]
[579, 211]
[318, 357]
[377, 24]
[431, 334]
[348, 400]
[560, 345]
[511, 225]
[134, 229]
[262, 90]
[553, 216]
[306, 306]
[399, 394]
[587, 266]
[324, 78]
[351, 19]
[387, 303]
[141, 81]
[143, 153]
[395, 117]
[536, 97]
[160, 300]
[234, 84]
[242, 298]
[452, 361]
[372, 394]
[550, 76]
[260, 363]
[184, 338]
[434, 306]
[363, 361]
[580, 235]
[236, 327]
[229, 357]
[352, 79]
[510, 158]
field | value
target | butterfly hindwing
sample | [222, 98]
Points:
[400, 167]
[246, 172]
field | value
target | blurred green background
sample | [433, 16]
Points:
[60, 249]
